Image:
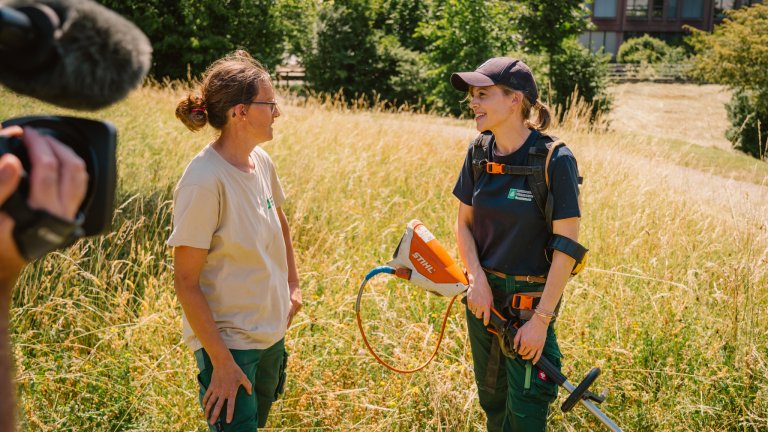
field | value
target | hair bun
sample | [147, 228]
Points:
[192, 112]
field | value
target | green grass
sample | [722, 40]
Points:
[712, 160]
[671, 307]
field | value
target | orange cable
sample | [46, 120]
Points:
[387, 365]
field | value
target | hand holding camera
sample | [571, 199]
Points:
[57, 184]
[37, 232]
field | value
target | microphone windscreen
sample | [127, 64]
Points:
[100, 58]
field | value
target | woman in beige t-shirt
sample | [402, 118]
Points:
[235, 273]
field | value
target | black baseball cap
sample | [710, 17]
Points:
[506, 71]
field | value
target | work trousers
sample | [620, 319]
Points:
[265, 370]
[514, 394]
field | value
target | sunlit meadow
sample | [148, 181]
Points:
[672, 305]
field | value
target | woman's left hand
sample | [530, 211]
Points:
[295, 301]
[530, 338]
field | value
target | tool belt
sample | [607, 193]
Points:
[520, 306]
[529, 279]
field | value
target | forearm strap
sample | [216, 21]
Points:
[571, 248]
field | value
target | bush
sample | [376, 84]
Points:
[748, 114]
[734, 55]
[402, 71]
[576, 70]
[649, 50]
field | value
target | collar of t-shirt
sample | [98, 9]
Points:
[518, 157]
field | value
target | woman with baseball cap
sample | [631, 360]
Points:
[502, 235]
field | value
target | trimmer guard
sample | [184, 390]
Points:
[430, 265]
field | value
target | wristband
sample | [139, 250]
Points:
[37, 232]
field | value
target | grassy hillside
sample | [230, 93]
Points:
[689, 112]
[672, 305]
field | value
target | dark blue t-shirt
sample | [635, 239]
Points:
[509, 229]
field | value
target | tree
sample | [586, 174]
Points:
[342, 54]
[544, 25]
[363, 48]
[550, 28]
[574, 70]
[461, 34]
[188, 35]
[401, 18]
[297, 18]
[735, 54]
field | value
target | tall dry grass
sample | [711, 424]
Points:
[671, 306]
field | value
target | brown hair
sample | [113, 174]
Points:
[230, 80]
[543, 117]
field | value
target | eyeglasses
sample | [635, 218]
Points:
[273, 105]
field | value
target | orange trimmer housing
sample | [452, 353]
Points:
[421, 259]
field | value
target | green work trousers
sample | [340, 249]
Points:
[265, 370]
[514, 394]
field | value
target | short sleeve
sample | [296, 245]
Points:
[277, 188]
[195, 217]
[464, 189]
[564, 181]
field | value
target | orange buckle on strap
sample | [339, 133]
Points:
[522, 301]
[494, 168]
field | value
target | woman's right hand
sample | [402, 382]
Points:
[225, 381]
[480, 297]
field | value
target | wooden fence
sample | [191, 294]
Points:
[667, 72]
[617, 72]
[286, 76]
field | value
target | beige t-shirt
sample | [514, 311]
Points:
[233, 215]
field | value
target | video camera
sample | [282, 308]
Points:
[95, 142]
[76, 54]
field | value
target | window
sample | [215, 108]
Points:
[693, 9]
[658, 9]
[610, 43]
[596, 40]
[672, 9]
[637, 8]
[721, 6]
[604, 9]
[584, 39]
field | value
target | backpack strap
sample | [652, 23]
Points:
[480, 156]
[541, 155]
[538, 158]
[551, 150]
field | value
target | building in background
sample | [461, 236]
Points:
[619, 20]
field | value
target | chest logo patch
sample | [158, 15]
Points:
[270, 202]
[520, 195]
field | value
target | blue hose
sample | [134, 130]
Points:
[371, 274]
